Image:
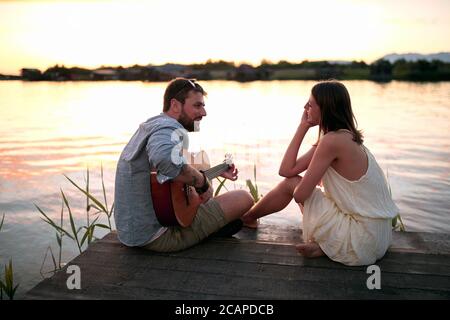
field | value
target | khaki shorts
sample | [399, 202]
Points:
[209, 219]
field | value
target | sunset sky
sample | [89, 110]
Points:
[40, 34]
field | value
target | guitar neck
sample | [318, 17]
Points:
[216, 171]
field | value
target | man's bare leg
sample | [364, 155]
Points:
[276, 200]
[235, 203]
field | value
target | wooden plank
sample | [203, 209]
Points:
[164, 272]
[235, 250]
[175, 284]
[260, 270]
[244, 269]
[418, 242]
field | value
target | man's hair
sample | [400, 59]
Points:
[179, 89]
[335, 108]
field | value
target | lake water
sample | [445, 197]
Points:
[51, 129]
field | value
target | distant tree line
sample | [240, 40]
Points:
[422, 70]
[380, 70]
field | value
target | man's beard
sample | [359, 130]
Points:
[185, 121]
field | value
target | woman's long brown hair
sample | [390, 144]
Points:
[335, 108]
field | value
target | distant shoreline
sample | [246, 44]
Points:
[380, 71]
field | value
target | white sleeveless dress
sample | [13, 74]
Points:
[351, 220]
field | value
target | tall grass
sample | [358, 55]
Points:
[59, 236]
[220, 186]
[253, 187]
[80, 235]
[7, 285]
[97, 204]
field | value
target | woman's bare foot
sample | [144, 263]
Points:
[253, 224]
[309, 250]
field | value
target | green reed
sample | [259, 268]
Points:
[84, 234]
[253, 187]
[97, 204]
[59, 237]
[1, 223]
[7, 285]
[220, 186]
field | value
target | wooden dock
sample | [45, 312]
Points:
[261, 264]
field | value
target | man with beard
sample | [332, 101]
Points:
[152, 148]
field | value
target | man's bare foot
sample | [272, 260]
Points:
[253, 224]
[310, 250]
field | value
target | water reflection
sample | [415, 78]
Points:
[51, 128]
[47, 129]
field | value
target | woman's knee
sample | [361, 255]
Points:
[290, 183]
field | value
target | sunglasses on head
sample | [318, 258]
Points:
[189, 82]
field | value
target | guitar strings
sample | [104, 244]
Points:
[216, 171]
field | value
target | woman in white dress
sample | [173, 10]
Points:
[349, 220]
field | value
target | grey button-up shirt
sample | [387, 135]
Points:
[151, 147]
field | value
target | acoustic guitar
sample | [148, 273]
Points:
[176, 203]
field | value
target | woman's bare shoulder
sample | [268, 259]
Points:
[337, 139]
[329, 141]
[335, 136]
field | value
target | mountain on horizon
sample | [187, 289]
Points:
[442, 56]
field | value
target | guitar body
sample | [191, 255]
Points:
[176, 203]
[174, 206]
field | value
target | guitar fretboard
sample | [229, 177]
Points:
[216, 171]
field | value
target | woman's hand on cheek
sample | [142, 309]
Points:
[304, 121]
